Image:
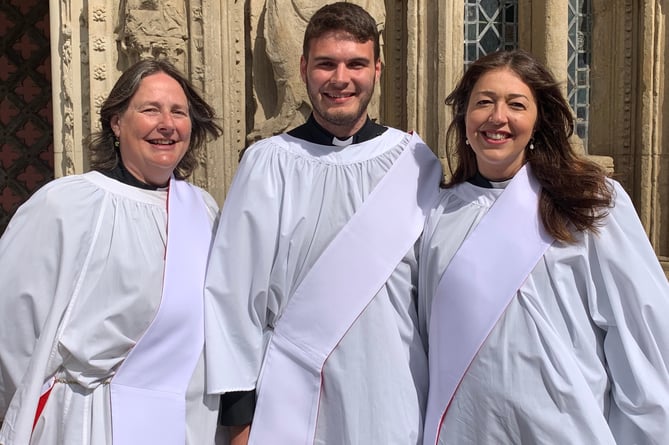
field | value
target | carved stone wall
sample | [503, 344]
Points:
[651, 125]
[97, 39]
[244, 56]
[420, 64]
[276, 34]
[68, 89]
[613, 93]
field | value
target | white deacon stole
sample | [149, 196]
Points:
[148, 393]
[343, 281]
[477, 286]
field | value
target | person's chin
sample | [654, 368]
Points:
[166, 162]
[342, 117]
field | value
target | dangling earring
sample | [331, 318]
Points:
[117, 144]
[531, 144]
[466, 141]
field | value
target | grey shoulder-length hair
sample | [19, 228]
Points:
[104, 155]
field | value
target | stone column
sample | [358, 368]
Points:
[612, 93]
[93, 41]
[652, 128]
[435, 60]
[225, 84]
[68, 112]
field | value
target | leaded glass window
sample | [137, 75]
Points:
[490, 25]
[578, 89]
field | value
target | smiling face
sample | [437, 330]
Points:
[340, 74]
[500, 121]
[154, 131]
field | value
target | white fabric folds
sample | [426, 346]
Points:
[148, 392]
[334, 293]
[475, 289]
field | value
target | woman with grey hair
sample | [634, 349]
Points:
[102, 334]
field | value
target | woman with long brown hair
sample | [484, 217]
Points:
[541, 295]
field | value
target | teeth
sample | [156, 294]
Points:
[162, 141]
[496, 136]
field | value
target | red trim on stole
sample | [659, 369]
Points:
[40, 405]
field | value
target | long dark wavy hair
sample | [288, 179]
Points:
[104, 156]
[575, 193]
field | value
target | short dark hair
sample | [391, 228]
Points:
[342, 17]
[104, 156]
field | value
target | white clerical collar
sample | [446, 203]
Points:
[342, 142]
[500, 184]
[312, 132]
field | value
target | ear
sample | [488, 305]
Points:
[303, 68]
[377, 69]
[115, 124]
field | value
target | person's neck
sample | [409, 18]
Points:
[479, 180]
[313, 132]
[122, 174]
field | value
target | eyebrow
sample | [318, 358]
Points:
[511, 96]
[352, 60]
[157, 104]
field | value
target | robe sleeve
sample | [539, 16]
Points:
[40, 259]
[237, 303]
[631, 303]
[211, 204]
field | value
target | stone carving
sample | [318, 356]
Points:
[99, 43]
[283, 30]
[67, 161]
[153, 28]
[241, 51]
[99, 14]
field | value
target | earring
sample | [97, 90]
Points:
[466, 141]
[531, 144]
[117, 144]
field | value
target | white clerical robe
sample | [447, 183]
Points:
[581, 354]
[288, 201]
[100, 244]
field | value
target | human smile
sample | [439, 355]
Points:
[496, 135]
[338, 96]
[161, 142]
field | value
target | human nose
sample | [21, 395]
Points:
[498, 114]
[166, 121]
[339, 75]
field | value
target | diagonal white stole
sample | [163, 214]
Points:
[477, 286]
[342, 282]
[148, 391]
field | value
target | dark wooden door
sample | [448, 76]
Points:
[26, 121]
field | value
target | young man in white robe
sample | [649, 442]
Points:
[310, 294]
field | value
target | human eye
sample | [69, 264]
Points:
[149, 109]
[517, 105]
[483, 101]
[357, 64]
[325, 64]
